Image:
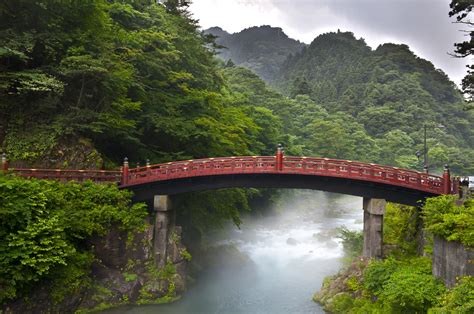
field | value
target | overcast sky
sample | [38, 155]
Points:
[424, 25]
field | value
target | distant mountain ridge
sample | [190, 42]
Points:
[262, 49]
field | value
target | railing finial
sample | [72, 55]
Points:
[446, 180]
[4, 163]
[279, 157]
[124, 179]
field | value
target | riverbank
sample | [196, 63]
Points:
[82, 247]
[403, 282]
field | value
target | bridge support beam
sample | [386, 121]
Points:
[374, 209]
[164, 223]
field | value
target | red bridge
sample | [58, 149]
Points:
[331, 175]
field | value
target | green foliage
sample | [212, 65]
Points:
[459, 299]
[165, 274]
[377, 274]
[400, 227]
[373, 101]
[352, 241]
[130, 277]
[353, 284]
[409, 291]
[443, 217]
[43, 225]
[32, 145]
[134, 77]
[72, 278]
[403, 285]
[341, 303]
[461, 9]
[101, 294]
[185, 254]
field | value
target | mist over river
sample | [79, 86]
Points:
[288, 256]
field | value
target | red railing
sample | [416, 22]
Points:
[290, 165]
[202, 167]
[253, 165]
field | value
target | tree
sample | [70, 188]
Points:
[300, 87]
[177, 6]
[461, 10]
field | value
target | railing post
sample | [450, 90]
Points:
[147, 165]
[455, 186]
[125, 171]
[446, 180]
[279, 158]
[4, 163]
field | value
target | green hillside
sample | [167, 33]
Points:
[371, 105]
[84, 84]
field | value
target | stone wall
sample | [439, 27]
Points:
[451, 260]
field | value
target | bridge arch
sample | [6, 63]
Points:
[331, 175]
[375, 183]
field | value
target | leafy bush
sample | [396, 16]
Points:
[410, 291]
[43, 225]
[400, 227]
[460, 299]
[377, 275]
[352, 241]
[446, 219]
[341, 303]
[403, 285]
[70, 279]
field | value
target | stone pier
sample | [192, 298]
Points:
[374, 209]
[164, 223]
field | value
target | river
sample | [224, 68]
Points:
[289, 255]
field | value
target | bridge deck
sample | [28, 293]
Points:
[309, 166]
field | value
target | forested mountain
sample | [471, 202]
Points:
[109, 79]
[262, 49]
[387, 90]
[371, 105]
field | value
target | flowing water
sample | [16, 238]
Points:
[289, 255]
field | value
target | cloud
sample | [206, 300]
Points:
[424, 25]
[233, 16]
